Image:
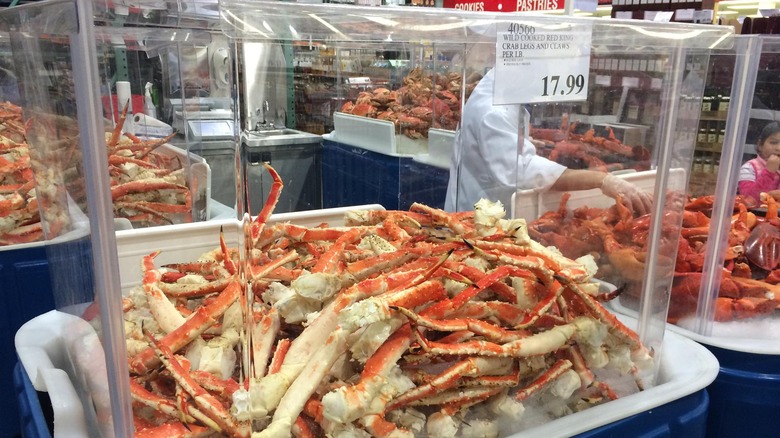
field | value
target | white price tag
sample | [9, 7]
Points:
[684, 14]
[542, 63]
[664, 16]
[603, 80]
[630, 82]
[655, 83]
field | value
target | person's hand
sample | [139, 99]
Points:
[634, 199]
[773, 163]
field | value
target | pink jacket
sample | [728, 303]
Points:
[755, 179]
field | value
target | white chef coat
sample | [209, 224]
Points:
[485, 162]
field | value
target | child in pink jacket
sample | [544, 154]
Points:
[760, 175]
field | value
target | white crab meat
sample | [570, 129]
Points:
[479, 428]
[409, 418]
[293, 307]
[441, 425]
[373, 337]
[487, 215]
[217, 356]
[565, 385]
[506, 407]
[363, 313]
[318, 286]
[241, 404]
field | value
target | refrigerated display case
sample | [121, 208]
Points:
[319, 329]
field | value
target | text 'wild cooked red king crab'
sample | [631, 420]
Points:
[401, 323]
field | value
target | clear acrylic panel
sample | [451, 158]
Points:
[345, 64]
[55, 57]
[723, 291]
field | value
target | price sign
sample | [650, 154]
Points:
[541, 63]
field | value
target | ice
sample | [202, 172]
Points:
[755, 328]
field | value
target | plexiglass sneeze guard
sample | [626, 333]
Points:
[733, 305]
[54, 54]
[661, 69]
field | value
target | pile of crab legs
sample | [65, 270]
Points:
[587, 150]
[20, 220]
[745, 291]
[147, 187]
[400, 323]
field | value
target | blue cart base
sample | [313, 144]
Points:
[745, 395]
[685, 417]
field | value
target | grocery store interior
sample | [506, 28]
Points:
[375, 218]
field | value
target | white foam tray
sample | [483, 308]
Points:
[440, 144]
[374, 135]
[42, 345]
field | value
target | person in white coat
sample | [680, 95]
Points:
[485, 163]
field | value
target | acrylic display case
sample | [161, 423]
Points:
[102, 338]
[70, 77]
[723, 293]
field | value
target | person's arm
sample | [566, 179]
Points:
[752, 183]
[634, 199]
[578, 179]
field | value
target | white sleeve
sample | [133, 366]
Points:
[747, 172]
[498, 144]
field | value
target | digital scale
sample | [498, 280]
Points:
[211, 129]
[205, 119]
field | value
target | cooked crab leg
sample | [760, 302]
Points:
[202, 398]
[472, 366]
[201, 319]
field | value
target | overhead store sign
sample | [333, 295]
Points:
[505, 5]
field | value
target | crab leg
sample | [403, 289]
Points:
[557, 370]
[202, 319]
[476, 326]
[119, 125]
[292, 403]
[458, 398]
[472, 366]
[174, 430]
[202, 398]
[540, 343]
[263, 335]
[440, 216]
[256, 228]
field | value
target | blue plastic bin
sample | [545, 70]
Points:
[34, 423]
[745, 395]
[685, 417]
[356, 176]
[26, 291]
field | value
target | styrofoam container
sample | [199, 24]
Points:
[374, 135]
[686, 368]
[440, 144]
